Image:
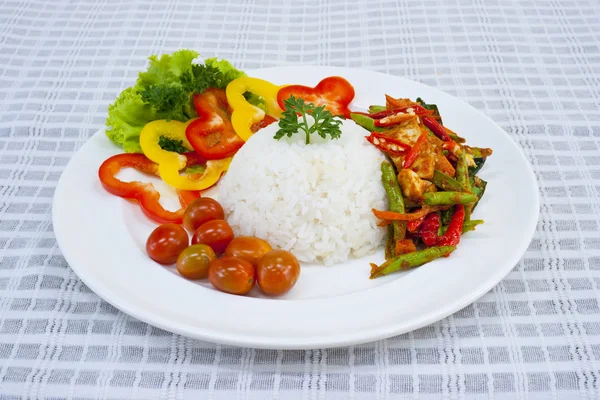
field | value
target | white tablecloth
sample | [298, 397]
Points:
[533, 67]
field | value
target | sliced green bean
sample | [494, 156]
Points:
[376, 109]
[448, 198]
[462, 177]
[410, 260]
[470, 225]
[366, 122]
[446, 182]
[390, 245]
[392, 188]
[467, 226]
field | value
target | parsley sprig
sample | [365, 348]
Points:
[325, 124]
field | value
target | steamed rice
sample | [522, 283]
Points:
[314, 200]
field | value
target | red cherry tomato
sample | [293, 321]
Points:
[216, 233]
[277, 272]
[166, 242]
[231, 275]
[200, 211]
[249, 248]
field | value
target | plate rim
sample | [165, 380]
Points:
[392, 329]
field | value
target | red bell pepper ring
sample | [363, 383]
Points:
[437, 129]
[429, 229]
[145, 193]
[414, 225]
[387, 144]
[334, 92]
[452, 235]
[414, 151]
[212, 135]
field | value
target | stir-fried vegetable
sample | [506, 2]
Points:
[437, 181]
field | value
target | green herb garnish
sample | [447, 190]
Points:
[169, 144]
[325, 124]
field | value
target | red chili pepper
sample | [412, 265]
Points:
[334, 92]
[452, 235]
[413, 153]
[394, 117]
[387, 144]
[437, 129]
[429, 229]
[145, 193]
[414, 225]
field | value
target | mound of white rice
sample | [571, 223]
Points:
[314, 200]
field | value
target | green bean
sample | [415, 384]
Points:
[390, 245]
[448, 198]
[470, 225]
[366, 122]
[392, 188]
[467, 226]
[456, 138]
[446, 182]
[462, 177]
[410, 260]
[376, 109]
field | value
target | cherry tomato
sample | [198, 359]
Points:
[166, 242]
[194, 261]
[277, 272]
[249, 248]
[216, 233]
[200, 211]
[231, 275]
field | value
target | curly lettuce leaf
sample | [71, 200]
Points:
[126, 118]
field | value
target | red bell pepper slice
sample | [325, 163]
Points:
[429, 229]
[334, 92]
[414, 225]
[437, 129]
[387, 144]
[413, 153]
[145, 193]
[452, 235]
[212, 134]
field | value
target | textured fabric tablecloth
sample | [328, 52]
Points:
[533, 67]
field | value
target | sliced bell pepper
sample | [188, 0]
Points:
[414, 225]
[413, 153]
[145, 193]
[429, 229]
[387, 144]
[211, 134]
[244, 115]
[334, 92]
[170, 163]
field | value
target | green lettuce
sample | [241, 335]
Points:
[164, 91]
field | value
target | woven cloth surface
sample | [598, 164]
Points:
[533, 67]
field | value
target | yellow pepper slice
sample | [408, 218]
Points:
[170, 163]
[245, 114]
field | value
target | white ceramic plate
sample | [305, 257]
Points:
[102, 237]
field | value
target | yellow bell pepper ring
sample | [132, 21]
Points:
[244, 114]
[171, 163]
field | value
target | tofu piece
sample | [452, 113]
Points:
[411, 185]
